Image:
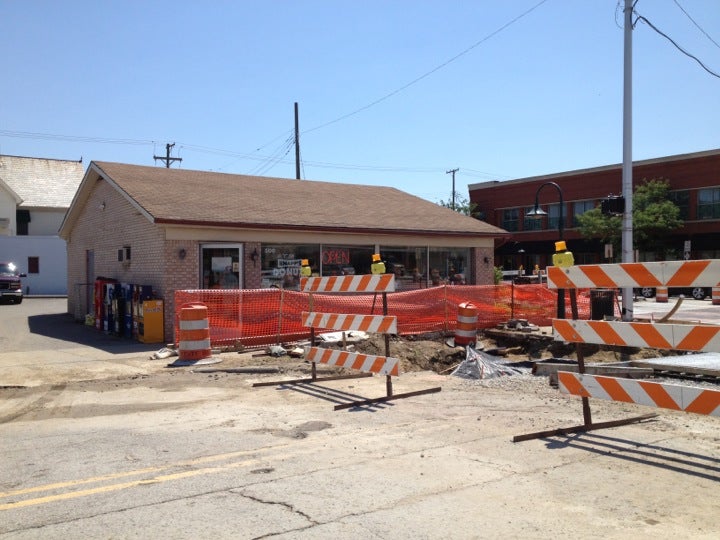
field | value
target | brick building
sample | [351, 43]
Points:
[180, 229]
[694, 181]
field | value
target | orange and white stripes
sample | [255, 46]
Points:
[194, 332]
[666, 396]
[382, 324]
[716, 296]
[383, 365]
[651, 274]
[681, 337]
[374, 283]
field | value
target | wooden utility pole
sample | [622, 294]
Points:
[453, 171]
[167, 159]
[297, 143]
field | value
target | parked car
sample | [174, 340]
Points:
[10, 283]
[698, 293]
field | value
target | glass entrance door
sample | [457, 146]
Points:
[221, 268]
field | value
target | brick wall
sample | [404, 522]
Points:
[251, 270]
[107, 223]
[182, 268]
[484, 271]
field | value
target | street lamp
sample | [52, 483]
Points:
[538, 213]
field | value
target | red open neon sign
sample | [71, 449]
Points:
[336, 256]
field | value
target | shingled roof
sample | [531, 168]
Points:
[201, 198]
[42, 183]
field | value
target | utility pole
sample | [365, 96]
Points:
[453, 171]
[167, 159]
[627, 181]
[297, 143]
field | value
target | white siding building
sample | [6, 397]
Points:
[35, 194]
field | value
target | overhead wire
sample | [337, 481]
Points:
[275, 158]
[696, 24]
[71, 138]
[268, 162]
[428, 73]
[678, 47]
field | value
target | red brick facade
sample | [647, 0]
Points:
[685, 173]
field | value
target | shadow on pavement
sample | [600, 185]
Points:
[63, 327]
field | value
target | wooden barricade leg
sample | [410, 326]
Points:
[368, 364]
[388, 380]
[587, 415]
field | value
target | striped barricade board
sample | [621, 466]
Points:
[702, 273]
[367, 364]
[681, 337]
[380, 324]
[382, 365]
[366, 283]
[666, 396]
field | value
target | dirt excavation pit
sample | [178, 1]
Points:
[437, 352]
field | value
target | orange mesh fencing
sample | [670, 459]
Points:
[259, 317]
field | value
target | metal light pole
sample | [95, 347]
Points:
[627, 224]
[538, 212]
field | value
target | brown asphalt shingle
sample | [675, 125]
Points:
[210, 198]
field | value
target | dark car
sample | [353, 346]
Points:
[10, 283]
[698, 293]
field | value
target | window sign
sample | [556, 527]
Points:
[346, 260]
[220, 266]
[339, 256]
[281, 264]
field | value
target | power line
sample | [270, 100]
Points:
[70, 138]
[277, 157]
[428, 73]
[678, 47]
[696, 24]
[265, 162]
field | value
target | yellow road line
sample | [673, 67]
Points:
[124, 485]
[115, 476]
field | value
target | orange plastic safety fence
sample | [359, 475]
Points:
[260, 317]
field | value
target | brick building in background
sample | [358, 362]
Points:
[694, 181]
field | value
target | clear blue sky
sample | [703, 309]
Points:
[219, 78]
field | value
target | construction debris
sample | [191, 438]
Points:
[480, 365]
[519, 325]
[165, 352]
[276, 351]
[352, 336]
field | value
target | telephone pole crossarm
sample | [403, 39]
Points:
[166, 158]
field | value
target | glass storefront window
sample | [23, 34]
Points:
[221, 266]
[346, 260]
[449, 266]
[280, 264]
[413, 266]
[409, 264]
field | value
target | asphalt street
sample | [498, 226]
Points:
[121, 447]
